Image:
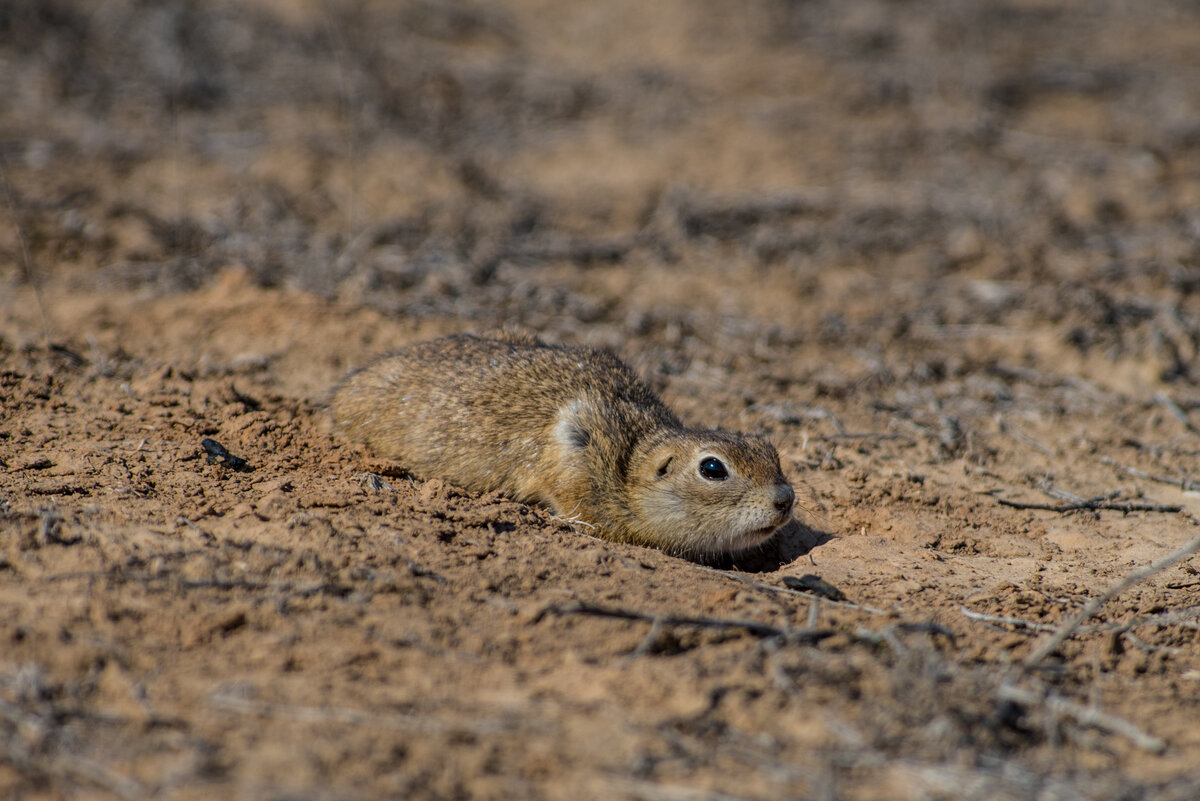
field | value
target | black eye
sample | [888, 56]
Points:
[713, 469]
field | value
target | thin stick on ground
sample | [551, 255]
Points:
[649, 641]
[1070, 497]
[752, 626]
[1020, 436]
[785, 591]
[1142, 645]
[887, 636]
[1092, 606]
[1058, 706]
[27, 259]
[102, 775]
[1168, 403]
[76, 765]
[881, 436]
[1182, 482]
[651, 791]
[231, 700]
[1008, 621]
[1094, 505]
[1184, 618]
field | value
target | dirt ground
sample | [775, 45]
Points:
[945, 254]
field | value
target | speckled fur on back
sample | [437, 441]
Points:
[570, 428]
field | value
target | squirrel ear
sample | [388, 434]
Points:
[664, 466]
[570, 430]
[578, 437]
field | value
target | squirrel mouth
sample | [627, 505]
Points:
[754, 537]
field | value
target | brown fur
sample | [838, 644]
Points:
[570, 428]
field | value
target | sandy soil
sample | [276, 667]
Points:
[944, 254]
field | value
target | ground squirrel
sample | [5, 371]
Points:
[572, 429]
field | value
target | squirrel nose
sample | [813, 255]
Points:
[784, 498]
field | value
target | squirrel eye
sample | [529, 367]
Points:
[713, 469]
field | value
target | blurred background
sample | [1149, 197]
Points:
[858, 171]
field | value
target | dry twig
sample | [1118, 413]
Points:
[1093, 504]
[879, 436]
[1165, 400]
[1092, 606]
[1020, 436]
[887, 636]
[1008, 621]
[752, 626]
[785, 591]
[1142, 645]
[1183, 482]
[26, 258]
[1185, 618]
[229, 700]
[1060, 707]
[652, 791]
[75, 766]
